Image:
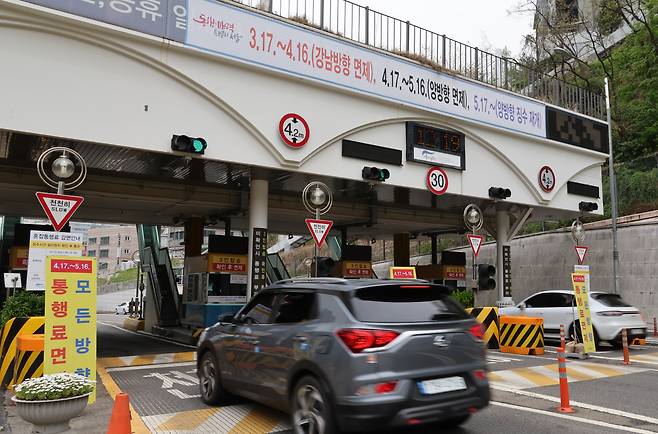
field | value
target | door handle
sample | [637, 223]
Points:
[300, 339]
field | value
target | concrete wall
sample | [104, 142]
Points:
[544, 261]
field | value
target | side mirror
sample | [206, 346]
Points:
[226, 318]
[522, 306]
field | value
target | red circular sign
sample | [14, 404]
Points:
[294, 130]
[546, 179]
[437, 180]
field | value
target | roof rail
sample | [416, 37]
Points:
[312, 280]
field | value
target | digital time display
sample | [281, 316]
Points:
[435, 146]
[576, 130]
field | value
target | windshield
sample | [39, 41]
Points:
[610, 300]
[405, 304]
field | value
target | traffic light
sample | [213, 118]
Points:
[375, 174]
[499, 192]
[588, 206]
[486, 277]
[191, 145]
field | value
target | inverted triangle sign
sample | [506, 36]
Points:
[319, 229]
[59, 208]
[476, 242]
[581, 251]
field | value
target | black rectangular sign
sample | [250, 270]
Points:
[576, 130]
[435, 147]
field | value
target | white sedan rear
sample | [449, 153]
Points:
[610, 314]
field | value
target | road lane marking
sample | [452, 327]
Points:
[573, 418]
[547, 375]
[639, 417]
[162, 365]
[535, 376]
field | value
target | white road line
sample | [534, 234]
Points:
[146, 335]
[573, 418]
[584, 405]
[161, 365]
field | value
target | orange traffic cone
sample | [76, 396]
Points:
[120, 419]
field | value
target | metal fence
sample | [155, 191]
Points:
[364, 25]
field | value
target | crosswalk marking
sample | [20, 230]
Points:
[646, 358]
[547, 375]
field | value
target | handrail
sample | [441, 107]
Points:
[367, 26]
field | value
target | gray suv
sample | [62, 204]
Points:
[349, 355]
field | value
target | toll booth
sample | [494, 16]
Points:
[215, 283]
[450, 271]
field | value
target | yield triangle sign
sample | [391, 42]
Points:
[475, 241]
[581, 251]
[319, 229]
[59, 207]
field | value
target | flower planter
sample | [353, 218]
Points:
[51, 416]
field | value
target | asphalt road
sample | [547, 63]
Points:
[114, 341]
[623, 402]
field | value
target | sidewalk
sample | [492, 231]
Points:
[93, 420]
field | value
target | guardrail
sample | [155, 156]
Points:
[364, 25]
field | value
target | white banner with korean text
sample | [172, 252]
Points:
[250, 37]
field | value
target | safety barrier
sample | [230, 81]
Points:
[521, 335]
[488, 317]
[28, 362]
[12, 329]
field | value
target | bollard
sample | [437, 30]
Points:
[655, 329]
[624, 342]
[564, 384]
[563, 341]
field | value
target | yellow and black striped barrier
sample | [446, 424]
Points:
[8, 340]
[521, 335]
[488, 317]
[28, 362]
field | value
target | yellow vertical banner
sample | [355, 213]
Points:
[580, 283]
[70, 311]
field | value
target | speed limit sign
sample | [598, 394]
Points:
[294, 130]
[437, 180]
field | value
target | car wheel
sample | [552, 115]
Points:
[210, 384]
[311, 409]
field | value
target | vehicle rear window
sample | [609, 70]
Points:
[611, 300]
[405, 304]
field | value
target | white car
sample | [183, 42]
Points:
[610, 314]
[121, 309]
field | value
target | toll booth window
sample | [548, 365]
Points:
[226, 288]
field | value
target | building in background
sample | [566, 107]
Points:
[113, 246]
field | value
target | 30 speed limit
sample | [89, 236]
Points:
[437, 180]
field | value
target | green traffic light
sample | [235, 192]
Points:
[197, 145]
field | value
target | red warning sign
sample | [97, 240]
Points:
[59, 208]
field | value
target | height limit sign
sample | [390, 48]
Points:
[294, 130]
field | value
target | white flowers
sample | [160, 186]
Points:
[55, 386]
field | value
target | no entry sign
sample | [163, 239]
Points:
[294, 130]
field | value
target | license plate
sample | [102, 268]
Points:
[441, 385]
[637, 331]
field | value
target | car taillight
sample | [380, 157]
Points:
[377, 389]
[477, 331]
[480, 374]
[610, 313]
[358, 340]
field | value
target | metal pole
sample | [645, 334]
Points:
[613, 195]
[315, 247]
